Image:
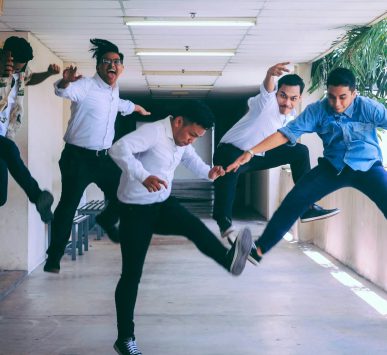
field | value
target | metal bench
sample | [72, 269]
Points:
[92, 209]
[79, 236]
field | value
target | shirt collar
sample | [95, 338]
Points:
[168, 127]
[101, 83]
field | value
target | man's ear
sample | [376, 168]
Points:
[178, 121]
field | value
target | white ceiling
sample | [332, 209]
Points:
[296, 31]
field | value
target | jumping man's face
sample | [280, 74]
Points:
[110, 68]
[186, 134]
[288, 97]
[17, 67]
[340, 97]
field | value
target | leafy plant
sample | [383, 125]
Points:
[363, 50]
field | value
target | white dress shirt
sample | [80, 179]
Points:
[94, 109]
[262, 120]
[151, 150]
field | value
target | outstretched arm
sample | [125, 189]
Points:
[273, 141]
[141, 110]
[37, 78]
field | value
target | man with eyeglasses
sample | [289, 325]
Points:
[95, 103]
[15, 76]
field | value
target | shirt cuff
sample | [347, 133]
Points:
[59, 91]
[289, 135]
[264, 92]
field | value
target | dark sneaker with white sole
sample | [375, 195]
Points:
[43, 205]
[126, 347]
[253, 257]
[317, 212]
[230, 234]
[236, 257]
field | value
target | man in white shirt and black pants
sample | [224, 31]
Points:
[148, 158]
[270, 110]
[90, 132]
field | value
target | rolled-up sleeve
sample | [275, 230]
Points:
[125, 107]
[75, 91]
[380, 115]
[306, 122]
[193, 162]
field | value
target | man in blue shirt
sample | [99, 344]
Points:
[347, 124]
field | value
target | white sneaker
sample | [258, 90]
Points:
[230, 233]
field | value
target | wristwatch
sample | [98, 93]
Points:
[251, 152]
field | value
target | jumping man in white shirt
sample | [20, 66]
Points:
[270, 110]
[148, 158]
[90, 132]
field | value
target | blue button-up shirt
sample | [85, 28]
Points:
[349, 138]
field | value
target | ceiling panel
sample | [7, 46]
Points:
[298, 31]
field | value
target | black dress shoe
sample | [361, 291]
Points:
[51, 266]
[43, 205]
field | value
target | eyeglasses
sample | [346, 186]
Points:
[111, 61]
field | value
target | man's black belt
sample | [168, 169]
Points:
[88, 152]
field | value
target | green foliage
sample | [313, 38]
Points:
[364, 51]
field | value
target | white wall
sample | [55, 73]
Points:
[204, 148]
[23, 235]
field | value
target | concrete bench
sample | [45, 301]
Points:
[92, 209]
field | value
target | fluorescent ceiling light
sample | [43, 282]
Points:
[191, 21]
[181, 87]
[186, 53]
[183, 72]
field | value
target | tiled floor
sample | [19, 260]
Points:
[187, 305]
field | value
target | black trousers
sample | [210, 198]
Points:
[10, 160]
[80, 167]
[225, 186]
[137, 225]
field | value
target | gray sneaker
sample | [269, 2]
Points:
[317, 212]
[236, 257]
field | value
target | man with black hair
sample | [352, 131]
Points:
[16, 54]
[148, 158]
[95, 103]
[346, 124]
[270, 110]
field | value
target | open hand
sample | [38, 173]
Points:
[141, 110]
[278, 69]
[243, 159]
[70, 74]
